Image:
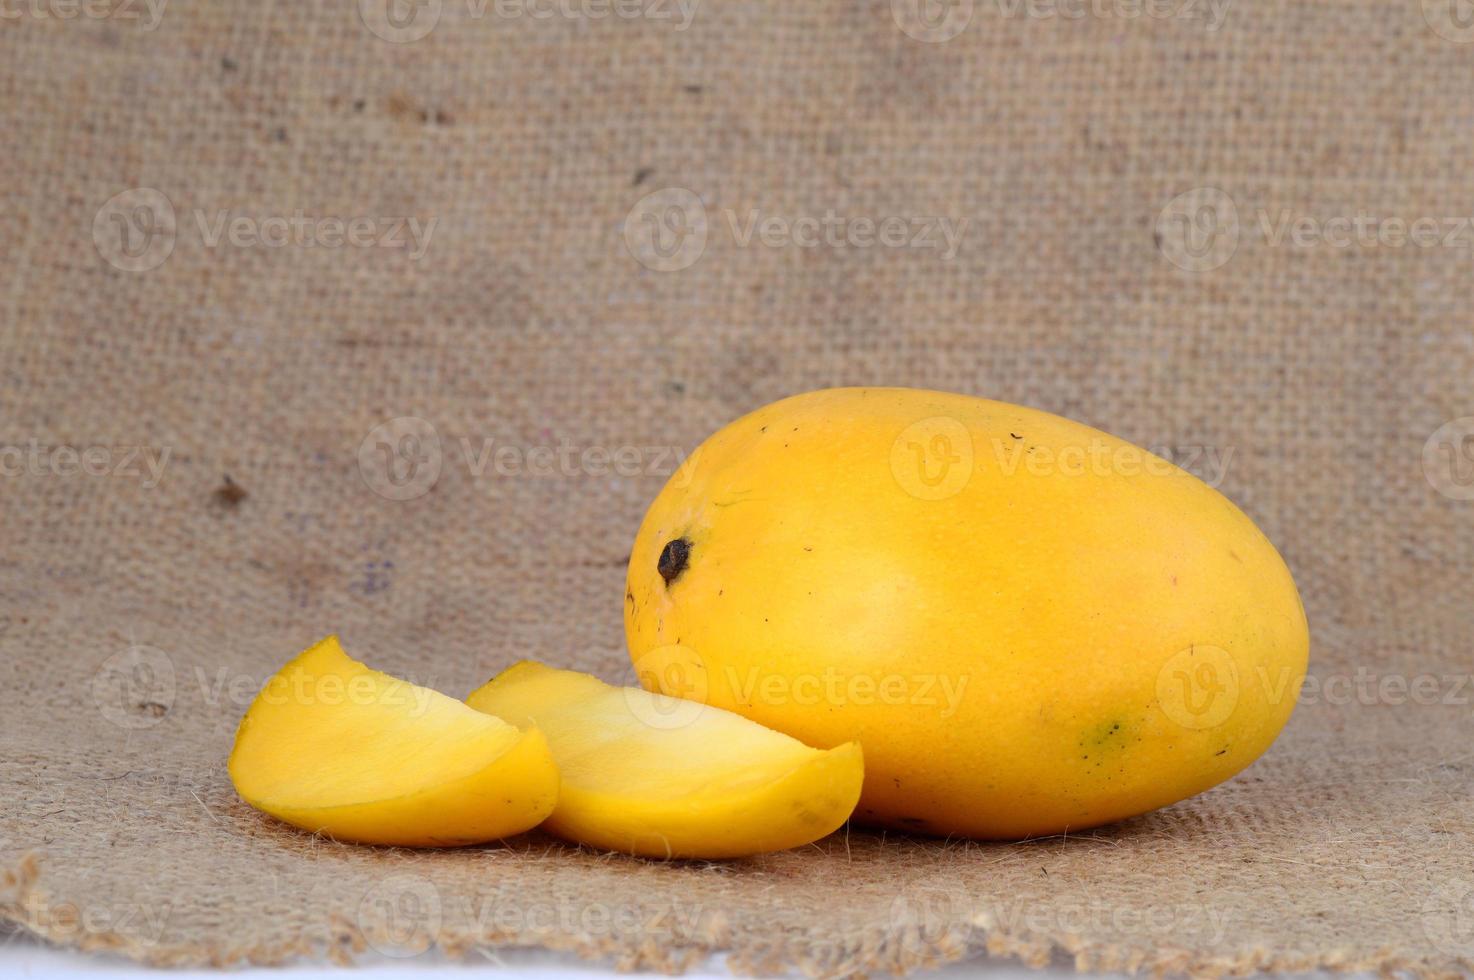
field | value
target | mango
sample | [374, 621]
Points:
[1030, 626]
[336, 748]
[655, 776]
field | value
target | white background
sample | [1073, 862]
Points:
[20, 956]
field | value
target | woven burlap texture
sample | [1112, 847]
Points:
[212, 456]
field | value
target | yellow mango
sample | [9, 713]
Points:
[1029, 625]
[652, 775]
[336, 748]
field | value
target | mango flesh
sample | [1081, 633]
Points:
[333, 747]
[651, 775]
[1029, 625]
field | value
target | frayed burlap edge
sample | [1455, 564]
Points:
[866, 952]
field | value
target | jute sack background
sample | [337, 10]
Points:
[197, 486]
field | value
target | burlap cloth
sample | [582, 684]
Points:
[196, 486]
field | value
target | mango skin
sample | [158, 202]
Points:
[659, 778]
[334, 747]
[1030, 626]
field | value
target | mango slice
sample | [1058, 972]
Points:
[334, 747]
[655, 776]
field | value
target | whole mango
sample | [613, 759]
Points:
[1030, 626]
